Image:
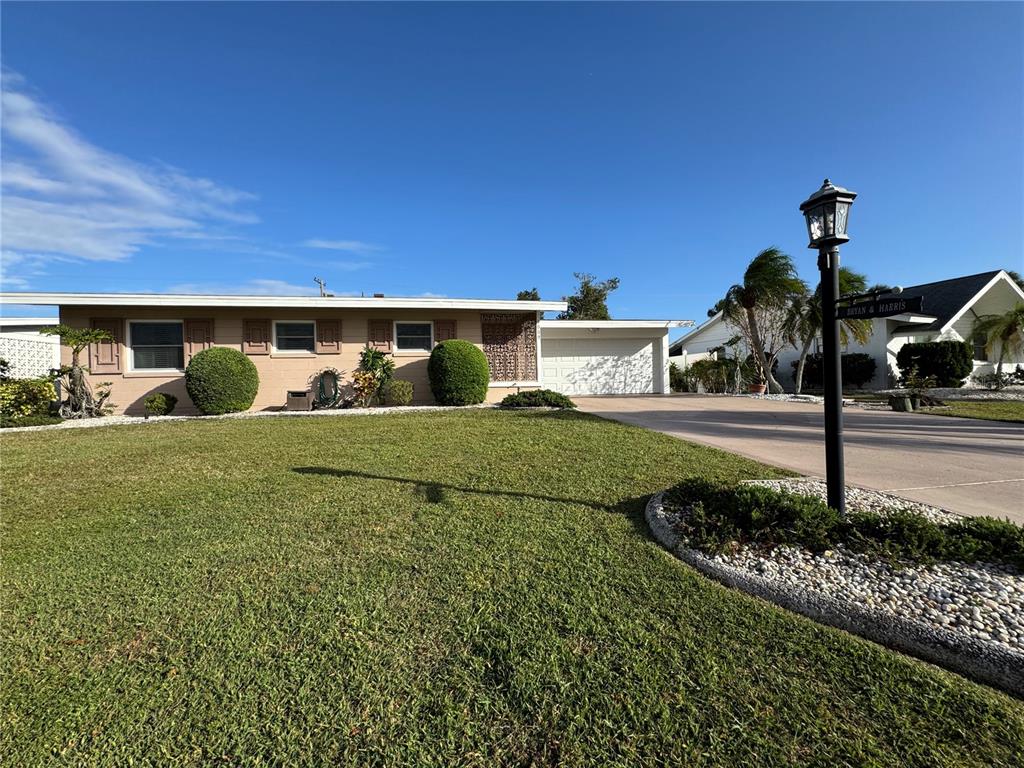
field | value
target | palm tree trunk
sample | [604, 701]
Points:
[999, 365]
[798, 377]
[773, 386]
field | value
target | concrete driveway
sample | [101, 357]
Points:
[964, 465]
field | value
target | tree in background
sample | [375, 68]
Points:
[531, 295]
[804, 320]
[1016, 277]
[590, 302]
[80, 402]
[717, 308]
[758, 307]
[1005, 332]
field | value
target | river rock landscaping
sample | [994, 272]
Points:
[976, 608]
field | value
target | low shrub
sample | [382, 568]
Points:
[8, 421]
[858, 369]
[458, 373]
[677, 378]
[713, 375]
[948, 363]
[537, 398]
[22, 397]
[221, 380]
[160, 403]
[993, 380]
[376, 369]
[723, 516]
[398, 392]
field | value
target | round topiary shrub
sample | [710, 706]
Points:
[221, 380]
[458, 373]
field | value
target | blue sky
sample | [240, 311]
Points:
[474, 150]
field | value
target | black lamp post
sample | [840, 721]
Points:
[827, 212]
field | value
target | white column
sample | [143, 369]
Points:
[661, 378]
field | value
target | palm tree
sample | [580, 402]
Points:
[804, 320]
[769, 285]
[1005, 331]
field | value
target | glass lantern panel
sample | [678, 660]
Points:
[830, 218]
[816, 223]
[842, 215]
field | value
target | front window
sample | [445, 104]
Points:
[157, 346]
[414, 337]
[295, 337]
[980, 352]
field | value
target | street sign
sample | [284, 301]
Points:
[886, 307]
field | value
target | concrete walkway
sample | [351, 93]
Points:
[964, 465]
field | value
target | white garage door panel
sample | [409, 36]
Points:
[598, 366]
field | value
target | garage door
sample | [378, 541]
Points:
[598, 366]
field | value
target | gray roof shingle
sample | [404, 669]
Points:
[944, 298]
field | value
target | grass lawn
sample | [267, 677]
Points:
[475, 588]
[993, 410]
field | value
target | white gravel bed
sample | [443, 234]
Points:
[1015, 392]
[966, 616]
[110, 421]
[983, 600]
[784, 397]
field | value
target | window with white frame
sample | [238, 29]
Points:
[980, 343]
[295, 336]
[414, 337]
[156, 345]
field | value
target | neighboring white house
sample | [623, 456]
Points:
[949, 309]
[29, 352]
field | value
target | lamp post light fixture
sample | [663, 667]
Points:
[828, 212]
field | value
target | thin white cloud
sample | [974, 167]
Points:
[257, 287]
[65, 198]
[348, 246]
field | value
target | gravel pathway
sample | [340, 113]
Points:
[984, 601]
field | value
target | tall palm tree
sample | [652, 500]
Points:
[1005, 332]
[804, 320]
[769, 285]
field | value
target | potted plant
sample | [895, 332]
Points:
[758, 386]
[914, 385]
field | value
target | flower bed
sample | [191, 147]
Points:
[968, 617]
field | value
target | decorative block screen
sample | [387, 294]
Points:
[29, 358]
[510, 344]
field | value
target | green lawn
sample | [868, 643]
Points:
[441, 589]
[993, 410]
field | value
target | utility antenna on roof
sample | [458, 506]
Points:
[322, 285]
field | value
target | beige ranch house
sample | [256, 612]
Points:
[292, 338]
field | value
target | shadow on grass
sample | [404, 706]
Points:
[435, 493]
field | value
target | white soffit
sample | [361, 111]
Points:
[323, 302]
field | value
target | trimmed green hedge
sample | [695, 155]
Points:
[947, 362]
[8, 421]
[537, 398]
[221, 380]
[458, 373]
[751, 514]
[858, 369]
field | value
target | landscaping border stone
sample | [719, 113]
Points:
[122, 420]
[985, 662]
